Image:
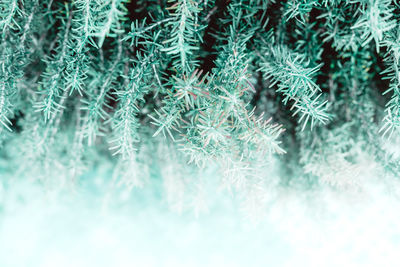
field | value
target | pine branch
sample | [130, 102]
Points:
[125, 122]
[392, 73]
[376, 19]
[52, 81]
[183, 42]
[290, 71]
[110, 16]
[9, 10]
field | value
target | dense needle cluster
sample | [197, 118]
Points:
[312, 86]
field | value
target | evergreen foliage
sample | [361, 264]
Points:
[311, 86]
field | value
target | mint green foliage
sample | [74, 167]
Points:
[392, 118]
[299, 9]
[182, 41]
[376, 19]
[311, 86]
[9, 10]
[295, 81]
[110, 17]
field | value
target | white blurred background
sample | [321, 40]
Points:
[95, 226]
